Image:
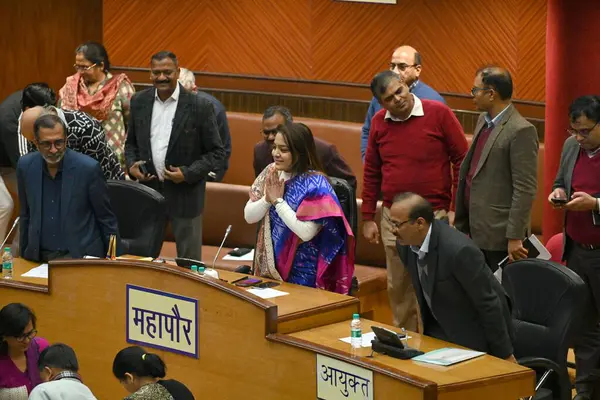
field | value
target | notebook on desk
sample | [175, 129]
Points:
[448, 356]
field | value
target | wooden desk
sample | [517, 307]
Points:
[303, 308]
[243, 353]
[485, 377]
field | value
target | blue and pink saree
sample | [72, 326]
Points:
[327, 260]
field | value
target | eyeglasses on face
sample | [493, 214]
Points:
[27, 336]
[582, 132]
[476, 89]
[397, 225]
[401, 66]
[82, 68]
[47, 144]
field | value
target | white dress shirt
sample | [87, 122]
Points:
[163, 113]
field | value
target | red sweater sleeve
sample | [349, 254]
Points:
[371, 173]
[457, 146]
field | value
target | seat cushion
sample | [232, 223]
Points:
[370, 279]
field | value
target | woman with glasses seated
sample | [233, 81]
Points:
[19, 352]
[304, 237]
[94, 90]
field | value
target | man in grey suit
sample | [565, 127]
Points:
[172, 145]
[577, 190]
[460, 300]
[498, 178]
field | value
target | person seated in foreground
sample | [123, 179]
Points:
[64, 205]
[59, 369]
[19, 352]
[460, 299]
[304, 237]
[141, 374]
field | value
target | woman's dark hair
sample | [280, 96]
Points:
[136, 361]
[37, 94]
[60, 356]
[14, 318]
[94, 52]
[301, 143]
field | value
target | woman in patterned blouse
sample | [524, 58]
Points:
[94, 90]
[141, 374]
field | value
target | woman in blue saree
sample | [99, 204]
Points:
[304, 237]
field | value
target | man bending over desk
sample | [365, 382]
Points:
[460, 300]
[65, 209]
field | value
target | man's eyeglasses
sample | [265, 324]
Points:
[82, 68]
[476, 89]
[401, 67]
[397, 225]
[47, 144]
[27, 336]
[582, 132]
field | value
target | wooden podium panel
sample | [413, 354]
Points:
[485, 377]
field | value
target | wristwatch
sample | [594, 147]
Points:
[277, 201]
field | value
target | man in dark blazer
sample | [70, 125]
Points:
[460, 300]
[172, 145]
[577, 184]
[65, 208]
[498, 177]
[332, 161]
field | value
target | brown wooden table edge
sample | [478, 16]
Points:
[24, 285]
[427, 386]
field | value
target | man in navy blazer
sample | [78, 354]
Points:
[65, 208]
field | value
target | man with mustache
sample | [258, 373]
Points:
[173, 143]
[414, 146]
[64, 204]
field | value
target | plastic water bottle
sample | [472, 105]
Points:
[201, 270]
[7, 264]
[355, 332]
[194, 269]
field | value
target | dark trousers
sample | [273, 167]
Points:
[586, 264]
[493, 257]
[188, 237]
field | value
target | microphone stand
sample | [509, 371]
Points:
[9, 232]
[227, 231]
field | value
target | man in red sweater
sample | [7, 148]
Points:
[577, 190]
[414, 146]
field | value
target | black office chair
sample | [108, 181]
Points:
[142, 216]
[347, 197]
[545, 298]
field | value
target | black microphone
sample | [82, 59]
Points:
[9, 232]
[221, 246]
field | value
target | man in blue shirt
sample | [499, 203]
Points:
[406, 62]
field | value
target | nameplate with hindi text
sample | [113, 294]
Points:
[162, 320]
[340, 380]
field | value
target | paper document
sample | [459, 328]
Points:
[245, 257]
[366, 339]
[447, 356]
[37, 272]
[267, 293]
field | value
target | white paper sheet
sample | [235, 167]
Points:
[366, 339]
[267, 293]
[245, 257]
[447, 356]
[37, 272]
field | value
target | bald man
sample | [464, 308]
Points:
[407, 63]
[84, 135]
[460, 299]
[498, 177]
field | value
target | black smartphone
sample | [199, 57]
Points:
[388, 337]
[266, 285]
[143, 169]
[246, 281]
[559, 201]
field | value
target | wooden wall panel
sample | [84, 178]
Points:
[328, 40]
[39, 39]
